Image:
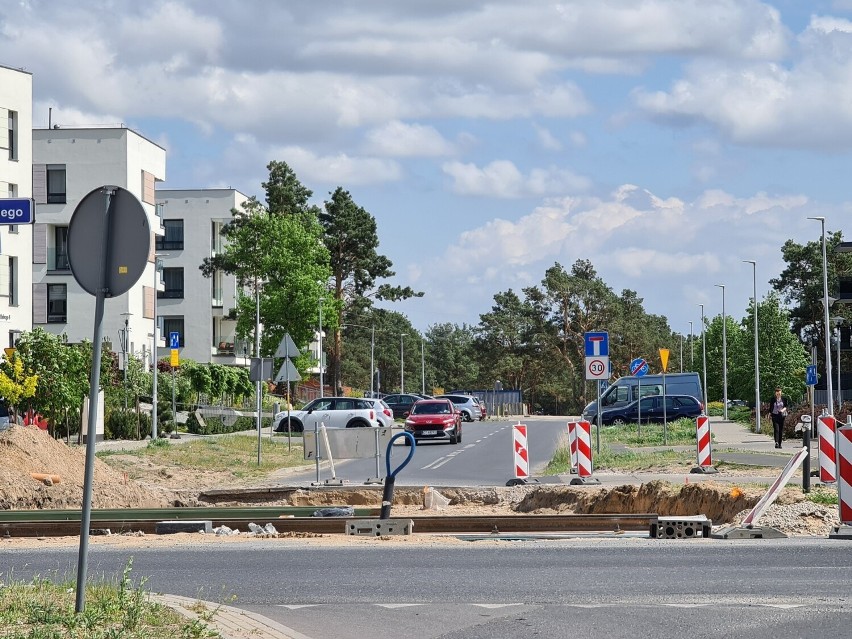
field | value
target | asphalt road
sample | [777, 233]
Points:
[600, 587]
[483, 458]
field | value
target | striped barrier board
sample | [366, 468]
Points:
[826, 426]
[702, 424]
[844, 483]
[584, 449]
[572, 444]
[519, 451]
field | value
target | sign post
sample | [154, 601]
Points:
[664, 360]
[639, 368]
[597, 367]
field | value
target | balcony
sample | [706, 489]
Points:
[218, 300]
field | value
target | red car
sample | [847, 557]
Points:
[435, 420]
[483, 411]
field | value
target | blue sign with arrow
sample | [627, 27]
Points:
[174, 339]
[811, 375]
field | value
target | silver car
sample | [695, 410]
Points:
[468, 406]
[383, 412]
[334, 412]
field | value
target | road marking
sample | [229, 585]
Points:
[781, 606]
[393, 606]
[297, 606]
[495, 606]
[470, 446]
[441, 464]
[686, 605]
[427, 467]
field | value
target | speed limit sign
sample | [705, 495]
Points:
[597, 367]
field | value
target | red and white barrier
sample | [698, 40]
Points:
[520, 454]
[826, 426]
[572, 444]
[844, 484]
[584, 449]
[702, 425]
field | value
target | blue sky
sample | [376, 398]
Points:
[666, 141]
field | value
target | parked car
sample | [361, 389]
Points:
[401, 403]
[334, 412]
[650, 409]
[434, 420]
[468, 406]
[383, 411]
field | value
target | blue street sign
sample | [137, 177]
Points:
[174, 339]
[597, 344]
[17, 211]
[639, 367]
[811, 375]
[604, 384]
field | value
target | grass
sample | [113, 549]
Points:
[45, 609]
[236, 454]
[822, 495]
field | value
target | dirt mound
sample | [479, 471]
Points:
[25, 450]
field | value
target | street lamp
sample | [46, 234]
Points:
[756, 352]
[681, 352]
[724, 353]
[837, 322]
[704, 354]
[319, 350]
[158, 268]
[124, 336]
[401, 364]
[825, 304]
[423, 365]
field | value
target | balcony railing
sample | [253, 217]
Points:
[232, 346]
[217, 297]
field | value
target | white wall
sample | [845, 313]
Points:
[198, 208]
[16, 90]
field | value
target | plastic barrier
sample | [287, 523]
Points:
[702, 438]
[520, 453]
[826, 425]
[584, 454]
[844, 485]
[572, 445]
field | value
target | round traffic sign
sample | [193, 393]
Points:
[109, 241]
[597, 367]
[638, 367]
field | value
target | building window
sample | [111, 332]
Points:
[13, 281]
[173, 282]
[173, 325]
[173, 238]
[13, 135]
[13, 192]
[60, 244]
[57, 303]
[56, 191]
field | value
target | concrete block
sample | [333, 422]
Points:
[689, 527]
[379, 527]
[181, 526]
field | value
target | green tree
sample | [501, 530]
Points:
[276, 252]
[350, 235]
[451, 360]
[15, 384]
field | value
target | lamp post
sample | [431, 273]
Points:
[825, 304]
[691, 350]
[158, 267]
[837, 322]
[124, 335]
[372, 360]
[401, 364]
[423, 365]
[319, 350]
[681, 352]
[756, 351]
[704, 354]
[724, 353]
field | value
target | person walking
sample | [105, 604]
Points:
[778, 411]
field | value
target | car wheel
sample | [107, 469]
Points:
[458, 438]
[618, 421]
[467, 416]
[407, 442]
[357, 423]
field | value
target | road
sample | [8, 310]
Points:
[483, 458]
[599, 587]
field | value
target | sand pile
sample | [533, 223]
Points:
[25, 450]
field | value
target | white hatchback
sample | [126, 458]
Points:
[334, 412]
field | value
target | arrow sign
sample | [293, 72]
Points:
[287, 348]
[811, 375]
[288, 372]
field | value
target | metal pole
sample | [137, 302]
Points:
[665, 421]
[154, 352]
[423, 366]
[704, 354]
[401, 364]
[373, 363]
[94, 389]
[691, 349]
[681, 353]
[756, 354]
[174, 401]
[319, 354]
[724, 353]
[598, 429]
[257, 387]
[825, 305]
[839, 394]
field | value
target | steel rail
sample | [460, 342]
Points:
[443, 524]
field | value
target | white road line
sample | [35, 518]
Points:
[393, 606]
[441, 464]
[297, 606]
[495, 606]
[470, 446]
[432, 464]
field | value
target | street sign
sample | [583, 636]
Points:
[597, 344]
[9, 352]
[639, 367]
[288, 372]
[174, 340]
[174, 358]
[287, 347]
[811, 375]
[17, 211]
[603, 384]
[597, 368]
[664, 358]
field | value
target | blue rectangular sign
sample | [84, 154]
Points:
[17, 211]
[174, 340]
[811, 376]
[597, 344]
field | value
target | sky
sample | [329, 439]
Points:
[665, 141]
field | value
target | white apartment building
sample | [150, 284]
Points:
[67, 164]
[16, 150]
[196, 307]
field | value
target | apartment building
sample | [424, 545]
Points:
[67, 164]
[196, 307]
[16, 91]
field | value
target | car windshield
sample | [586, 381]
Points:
[431, 408]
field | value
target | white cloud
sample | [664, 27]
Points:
[502, 179]
[546, 139]
[399, 139]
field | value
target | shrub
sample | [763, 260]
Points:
[119, 424]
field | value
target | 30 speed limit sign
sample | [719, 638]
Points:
[597, 367]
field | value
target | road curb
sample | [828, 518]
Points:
[230, 622]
